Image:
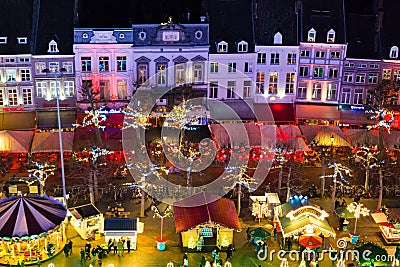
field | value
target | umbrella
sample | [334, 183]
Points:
[259, 233]
[310, 241]
[343, 212]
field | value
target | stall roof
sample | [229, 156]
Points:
[205, 208]
[120, 224]
[84, 211]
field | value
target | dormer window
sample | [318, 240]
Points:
[222, 47]
[3, 40]
[331, 36]
[242, 46]
[394, 52]
[198, 34]
[22, 40]
[278, 38]
[121, 36]
[85, 35]
[142, 35]
[311, 35]
[53, 48]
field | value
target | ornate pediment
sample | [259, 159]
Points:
[101, 37]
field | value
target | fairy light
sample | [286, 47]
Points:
[260, 210]
[40, 172]
[357, 209]
[180, 116]
[91, 155]
[93, 118]
[338, 170]
[162, 214]
[134, 118]
[384, 119]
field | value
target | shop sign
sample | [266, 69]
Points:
[307, 210]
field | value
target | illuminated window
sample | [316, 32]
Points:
[260, 83]
[387, 74]
[222, 47]
[122, 89]
[213, 91]
[53, 89]
[54, 66]
[331, 36]
[142, 73]
[53, 48]
[27, 96]
[179, 74]
[301, 90]
[68, 88]
[273, 83]
[311, 35]
[291, 59]
[25, 75]
[12, 96]
[396, 75]
[161, 74]
[198, 72]
[104, 64]
[86, 63]
[316, 92]
[121, 63]
[335, 54]
[104, 90]
[68, 66]
[318, 72]
[230, 91]
[11, 75]
[41, 89]
[289, 87]
[332, 91]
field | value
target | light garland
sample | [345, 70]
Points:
[260, 210]
[91, 155]
[338, 169]
[93, 118]
[384, 116]
[162, 214]
[357, 209]
[40, 172]
[134, 118]
[179, 116]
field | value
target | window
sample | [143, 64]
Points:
[10, 60]
[198, 72]
[142, 74]
[3, 40]
[369, 97]
[331, 91]
[198, 34]
[242, 47]
[331, 36]
[68, 66]
[302, 90]
[142, 35]
[319, 54]
[179, 74]
[349, 65]
[316, 92]
[22, 40]
[318, 72]
[214, 67]
[12, 97]
[230, 92]
[121, 63]
[333, 72]
[69, 88]
[27, 96]
[88, 85]
[348, 77]
[387, 74]
[213, 90]
[104, 63]
[86, 63]
[248, 67]
[53, 47]
[291, 59]
[358, 97]
[394, 52]
[311, 35]
[335, 54]
[274, 59]
[104, 90]
[246, 89]
[273, 83]
[161, 74]
[41, 89]
[360, 78]
[278, 38]
[11, 75]
[261, 58]
[396, 75]
[121, 36]
[1, 97]
[54, 66]
[24, 59]
[346, 96]
[305, 53]
[222, 47]
[373, 78]
[121, 89]
[362, 66]
[53, 89]
[374, 66]
[289, 88]
[232, 67]
[303, 71]
[25, 75]
[260, 82]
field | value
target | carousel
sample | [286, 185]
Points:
[30, 229]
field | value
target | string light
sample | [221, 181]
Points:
[384, 118]
[90, 155]
[182, 115]
[40, 172]
[338, 170]
[93, 118]
[260, 210]
[134, 118]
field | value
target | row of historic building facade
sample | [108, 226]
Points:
[311, 82]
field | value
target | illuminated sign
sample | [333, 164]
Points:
[357, 107]
[45, 105]
[170, 36]
[13, 109]
[305, 211]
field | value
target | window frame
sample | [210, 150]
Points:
[273, 83]
[261, 58]
[274, 60]
[213, 90]
[301, 92]
[318, 72]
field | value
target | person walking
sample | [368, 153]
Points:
[120, 246]
[66, 250]
[185, 260]
[70, 247]
[275, 232]
[94, 254]
[82, 255]
[229, 252]
[337, 204]
[128, 244]
[115, 246]
[100, 256]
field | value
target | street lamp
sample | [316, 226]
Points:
[56, 75]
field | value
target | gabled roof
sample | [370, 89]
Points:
[322, 16]
[205, 208]
[120, 224]
[84, 211]
[274, 16]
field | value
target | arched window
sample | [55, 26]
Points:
[330, 38]
[394, 52]
[311, 35]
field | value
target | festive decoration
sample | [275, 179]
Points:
[358, 209]
[383, 118]
[91, 155]
[93, 118]
[182, 115]
[167, 212]
[135, 118]
[260, 210]
[40, 172]
[338, 169]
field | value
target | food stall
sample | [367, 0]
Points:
[87, 221]
[208, 218]
[388, 224]
[269, 199]
[122, 228]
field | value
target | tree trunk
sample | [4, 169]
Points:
[334, 191]
[142, 202]
[96, 185]
[91, 193]
[366, 184]
[239, 196]
[41, 191]
[380, 147]
[323, 176]
[280, 180]
[380, 189]
[288, 184]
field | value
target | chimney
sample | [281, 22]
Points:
[202, 18]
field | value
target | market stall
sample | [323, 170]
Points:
[87, 220]
[298, 217]
[30, 228]
[122, 229]
[271, 200]
[388, 225]
[208, 218]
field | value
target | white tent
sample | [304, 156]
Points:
[49, 142]
[15, 141]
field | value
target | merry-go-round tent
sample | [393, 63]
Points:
[29, 215]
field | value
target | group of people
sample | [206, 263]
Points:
[118, 246]
[68, 248]
[90, 253]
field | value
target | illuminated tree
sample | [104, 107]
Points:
[368, 157]
[40, 172]
[338, 170]
[162, 213]
[357, 209]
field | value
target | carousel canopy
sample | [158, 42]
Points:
[205, 208]
[49, 142]
[29, 215]
[15, 141]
